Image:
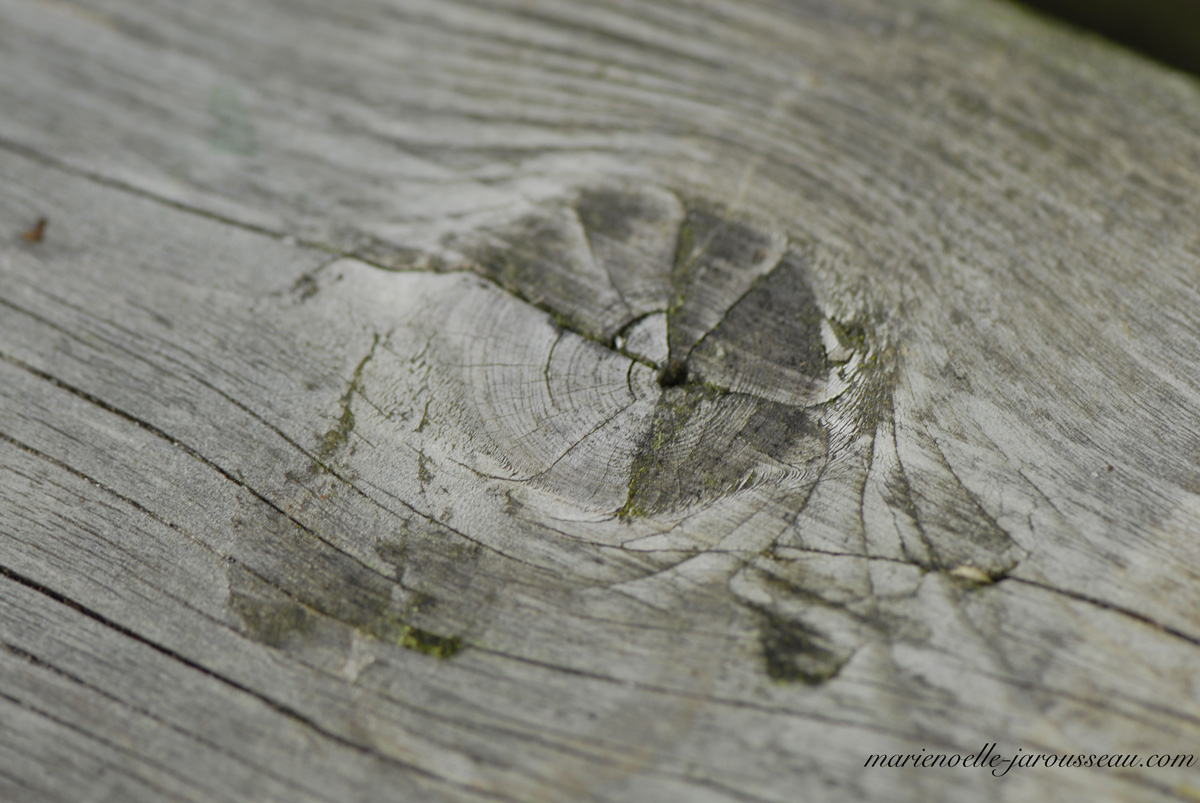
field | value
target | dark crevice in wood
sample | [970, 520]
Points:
[673, 374]
[207, 743]
[546, 371]
[111, 744]
[35, 155]
[166, 651]
[310, 605]
[281, 708]
[148, 427]
[1109, 606]
[909, 506]
[18, 781]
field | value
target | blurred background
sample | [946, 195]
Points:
[1167, 30]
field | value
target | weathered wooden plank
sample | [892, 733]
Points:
[546, 401]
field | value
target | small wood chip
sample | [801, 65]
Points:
[35, 234]
[971, 573]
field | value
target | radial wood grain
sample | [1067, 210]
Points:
[546, 400]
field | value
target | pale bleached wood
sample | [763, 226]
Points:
[336, 463]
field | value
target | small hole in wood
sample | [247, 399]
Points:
[673, 373]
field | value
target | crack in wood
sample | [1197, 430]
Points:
[281, 708]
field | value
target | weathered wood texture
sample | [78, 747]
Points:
[335, 462]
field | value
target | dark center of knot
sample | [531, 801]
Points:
[673, 374]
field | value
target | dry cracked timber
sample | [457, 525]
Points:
[811, 384]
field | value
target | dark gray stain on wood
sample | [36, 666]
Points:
[268, 615]
[528, 259]
[311, 574]
[770, 337]
[795, 652]
[716, 254]
[612, 214]
[705, 443]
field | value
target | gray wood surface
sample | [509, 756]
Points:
[537, 400]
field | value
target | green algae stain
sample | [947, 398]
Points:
[431, 644]
[339, 434]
